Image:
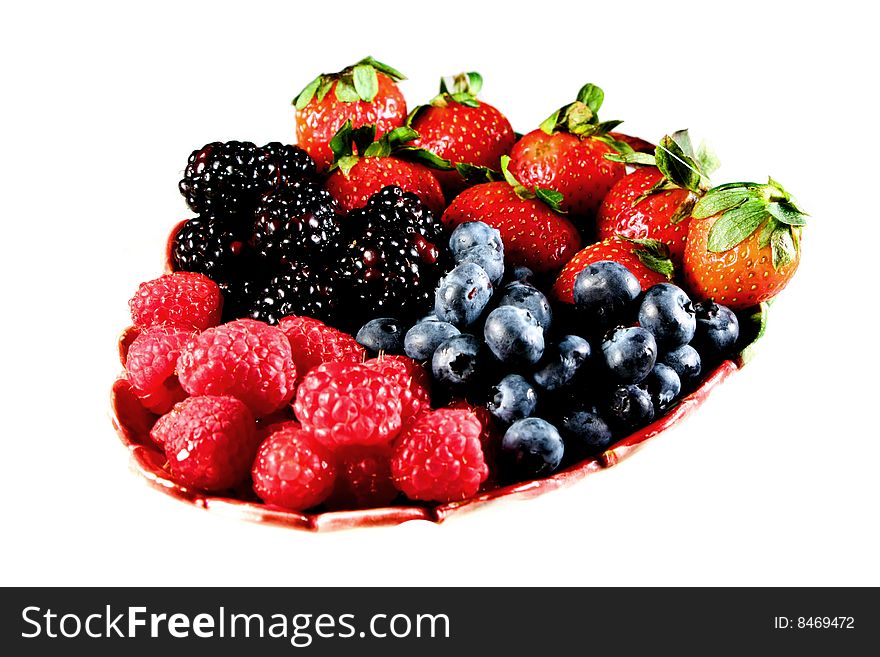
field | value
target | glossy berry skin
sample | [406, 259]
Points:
[457, 361]
[686, 362]
[616, 249]
[666, 311]
[422, 340]
[205, 245]
[369, 175]
[151, 363]
[717, 330]
[462, 295]
[628, 408]
[313, 343]
[514, 336]
[528, 297]
[653, 217]
[412, 380]
[293, 470]
[629, 353]
[574, 167]
[439, 457]
[739, 278]
[530, 448]
[664, 386]
[562, 362]
[461, 134]
[534, 235]
[295, 289]
[319, 120]
[513, 398]
[604, 291]
[585, 432]
[381, 334]
[182, 299]
[474, 233]
[363, 478]
[490, 260]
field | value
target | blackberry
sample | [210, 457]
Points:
[300, 289]
[404, 211]
[205, 245]
[296, 223]
[228, 178]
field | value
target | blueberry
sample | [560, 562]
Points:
[530, 448]
[605, 290]
[663, 385]
[422, 340]
[562, 361]
[629, 353]
[628, 408]
[521, 273]
[381, 334]
[514, 336]
[667, 312]
[486, 257]
[524, 295]
[462, 295]
[717, 330]
[475, 233]
[585, 432]
[686, 362]
[513, 398]
[456, 362]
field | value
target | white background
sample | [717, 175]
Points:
[772, 482]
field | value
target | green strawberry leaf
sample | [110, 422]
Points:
[682, 138]
[676, 165]
[345, 92]
[401, 135]
[392, 73]
[518, 187]
[325, 88]
[766, 231]
[345, 163]
[465, 99]
[620, 146]
[475, 175]
[549, 124]
[423, 156]
[341, 142]
[654, 255]
[379, 148]
[783, 247]
[414, 114]
[591, 96]
[551, 197]
[736, 225]
[308, 93]
[759, 319]
[635, 158]
[707, 159]
[725, 197]
[787, 213]
[366, 82]
[684, 210]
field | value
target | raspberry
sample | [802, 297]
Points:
[183, 299]
[150, 365]
[439, 457]
[247, 359]
[363, 478]
[412, 379]
[314, 343]
[348, 404]
[293, 470]
[209, 442]
[490, 436]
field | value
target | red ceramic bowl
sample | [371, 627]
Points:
[133, 423]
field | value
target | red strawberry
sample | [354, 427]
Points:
[655, 201]
[567, 154]
[365, 93]
[648, 260]
[744, 244]
[638, 144]
[354, 179]
[457, 127]
[534, 234]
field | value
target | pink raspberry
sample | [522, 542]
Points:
[363, 478]
[150, 366]
[413, 381]
[293, 470]
[314, 343]
[183, 299]
[439, 457]
[349, 404]
[247, 359]
[209, 442]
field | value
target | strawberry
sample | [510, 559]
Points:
[648, 260]
[459, 128]
[743, 245]
[566, 154]
[364, 93]
[354, 179]
[638, 144]
[534, 234]
[655, 201]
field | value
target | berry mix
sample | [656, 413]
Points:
[424, 305]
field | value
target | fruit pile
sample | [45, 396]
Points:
[424, 305]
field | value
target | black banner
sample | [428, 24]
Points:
[511, 621]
